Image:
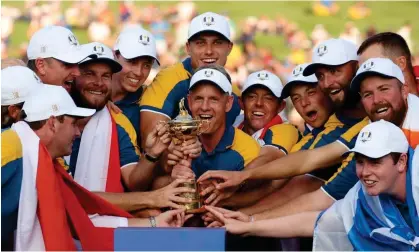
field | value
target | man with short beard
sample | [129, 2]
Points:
[111, 135]
[53, 54]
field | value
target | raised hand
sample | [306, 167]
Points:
[158, 140]
[168, 195]
[232, 225]
[183, 170]
[229, 178]
[172, 218]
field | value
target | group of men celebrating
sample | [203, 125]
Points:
[86, 149]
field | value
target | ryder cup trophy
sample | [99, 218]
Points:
[182, 128]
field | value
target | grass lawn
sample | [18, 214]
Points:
[386, 16]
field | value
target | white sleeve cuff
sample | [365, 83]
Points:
[122, 167]
[108, 221]
[343, 144]
[324, 191]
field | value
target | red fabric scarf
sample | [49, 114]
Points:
[276, 120]
[64, 205]
[113, 182]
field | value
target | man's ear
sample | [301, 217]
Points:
[40, 65]
[282, 106]
[402, 163]
[241, 103]
[52, 124]
[401, 62]
[188, 49]
[230, 47]
[14, 112]
[230, 101]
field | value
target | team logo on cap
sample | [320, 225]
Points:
[263, 76]
[98, 49]
[322, 50]
[209, 73]
[365, 136]
[43, 49]
[144, 39]
[297, 71]
[368, 65]
[54, 108]
[208, 21]
[72, 40]
[15, 95]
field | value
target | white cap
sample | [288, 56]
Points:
[297, 76]
[17, 82]
[103, 54]
[376, 66]
[380, 138]
[55, 42]
[49, 100]
[134, 42]
[209, 21]
[264, 78]
[332, 52]
[214, 76]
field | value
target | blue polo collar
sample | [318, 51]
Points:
[187, 64]
[131, 98]
[226, 141]
[348, 121]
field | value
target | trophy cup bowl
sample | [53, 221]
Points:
[182, 128]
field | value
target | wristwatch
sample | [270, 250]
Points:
[153, 222]
[151, 158]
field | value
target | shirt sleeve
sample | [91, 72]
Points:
[167, 89]
[127, 139]
[343, 180]
[282, 136]
[349, 137]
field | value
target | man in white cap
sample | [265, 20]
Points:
[379, 213]
[17, 82]
[53, 54]
[262, 104]
[53, 206]
[208, 42]
[135, 50]
[108, 143]
[224, 147]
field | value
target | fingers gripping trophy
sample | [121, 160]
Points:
[183, 128]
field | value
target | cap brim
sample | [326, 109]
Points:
[115, 66]
[368, 152]
[193, 85]
[74, 57]
[261, 85]
[311, 69]
[287, 88]
[356, 81]
[81, 112]
[132, 55]
[208, 30]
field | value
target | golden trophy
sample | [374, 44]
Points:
[182, 128]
